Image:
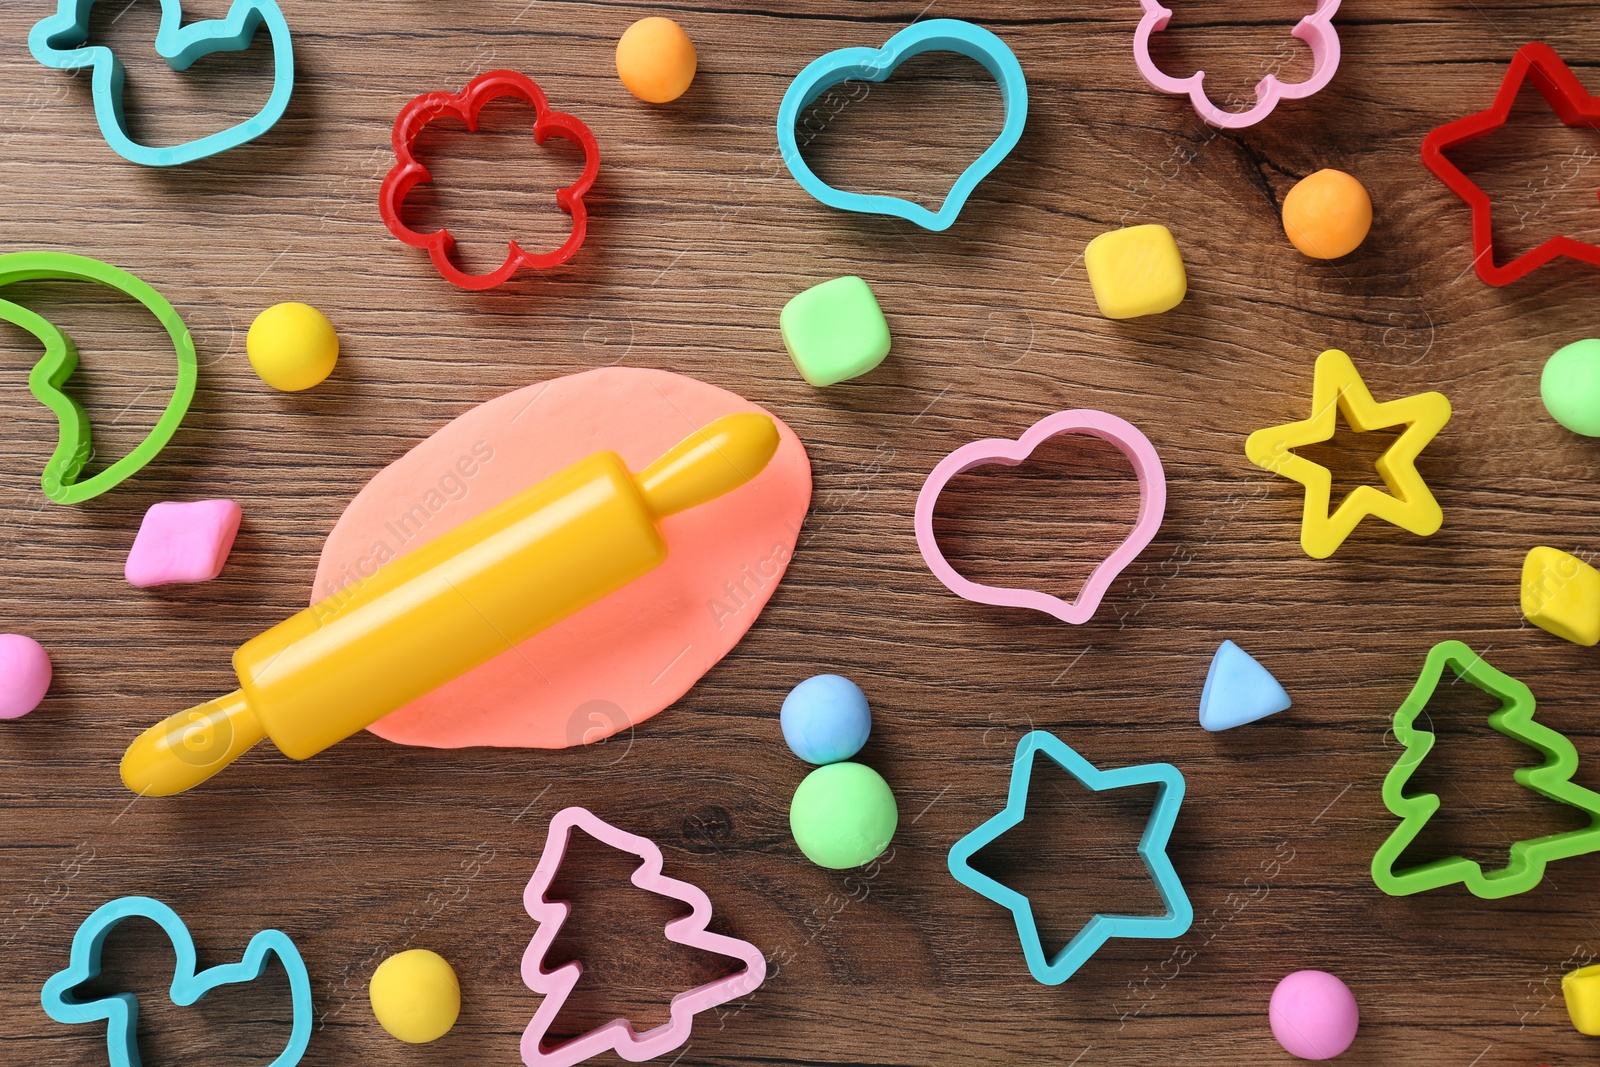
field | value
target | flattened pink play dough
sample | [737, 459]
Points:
[624, 658]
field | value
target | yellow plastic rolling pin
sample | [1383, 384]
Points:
[449, 605]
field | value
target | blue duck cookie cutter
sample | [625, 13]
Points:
[1053, 970]
[120, 1011]
[876, 64]
[57, 41]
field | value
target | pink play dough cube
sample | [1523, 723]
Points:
[183, 542]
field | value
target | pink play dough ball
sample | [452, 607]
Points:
[24, 675]
[1314, 1015]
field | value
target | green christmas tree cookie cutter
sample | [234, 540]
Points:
[1551, 779]
[74, 444]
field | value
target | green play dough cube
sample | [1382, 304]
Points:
[1570, 387]
[835, 331]
[843, 815]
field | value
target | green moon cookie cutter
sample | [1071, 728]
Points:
[74, 444]
[1551, 779]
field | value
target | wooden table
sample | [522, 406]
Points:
[699, 237]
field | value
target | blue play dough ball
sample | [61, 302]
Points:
[826, 719]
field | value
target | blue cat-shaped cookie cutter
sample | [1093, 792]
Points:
[120, 1011]
[876, 64]
[57, 41]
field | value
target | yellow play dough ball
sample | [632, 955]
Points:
[1327, 214]
[292, 346]
[656, 60]
[415, 996]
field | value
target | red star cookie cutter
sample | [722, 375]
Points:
[466, 105]
[618, 1035]
[1572, 104]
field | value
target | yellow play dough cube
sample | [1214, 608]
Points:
[1136, 271]
[1581, 988]
[1561, 593]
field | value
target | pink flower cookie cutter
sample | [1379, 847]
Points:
[1316, 30]
[618, 1035]
[1152, 507]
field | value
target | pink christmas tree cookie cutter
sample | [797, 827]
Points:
[1152, 507]
[618, 1035]
[1316, 30]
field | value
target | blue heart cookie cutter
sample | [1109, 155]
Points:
[120, 1011]
[876, 64]
[1179, 914]
[57, 42]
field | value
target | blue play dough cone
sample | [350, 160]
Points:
[1238, 690]
[825, 719]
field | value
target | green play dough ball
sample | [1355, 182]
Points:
[843, 815]
[1571, 387]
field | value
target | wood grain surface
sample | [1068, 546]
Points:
[698, 238]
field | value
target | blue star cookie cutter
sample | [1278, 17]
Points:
[57, 41]
[120, 1011]
[875, 65]
[1053, 970]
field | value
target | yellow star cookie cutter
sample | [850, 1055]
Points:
[1408, 503]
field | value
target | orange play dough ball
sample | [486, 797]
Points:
[656, 60]
[1327, 214]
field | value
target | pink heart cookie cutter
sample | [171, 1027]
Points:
[1124, 435]
[618, 1035]
[1316, 30]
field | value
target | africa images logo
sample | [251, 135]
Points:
[407, 526]
[744, 589]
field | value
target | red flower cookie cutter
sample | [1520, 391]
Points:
[466, 106]
[618, 1035]
[1573, 106]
